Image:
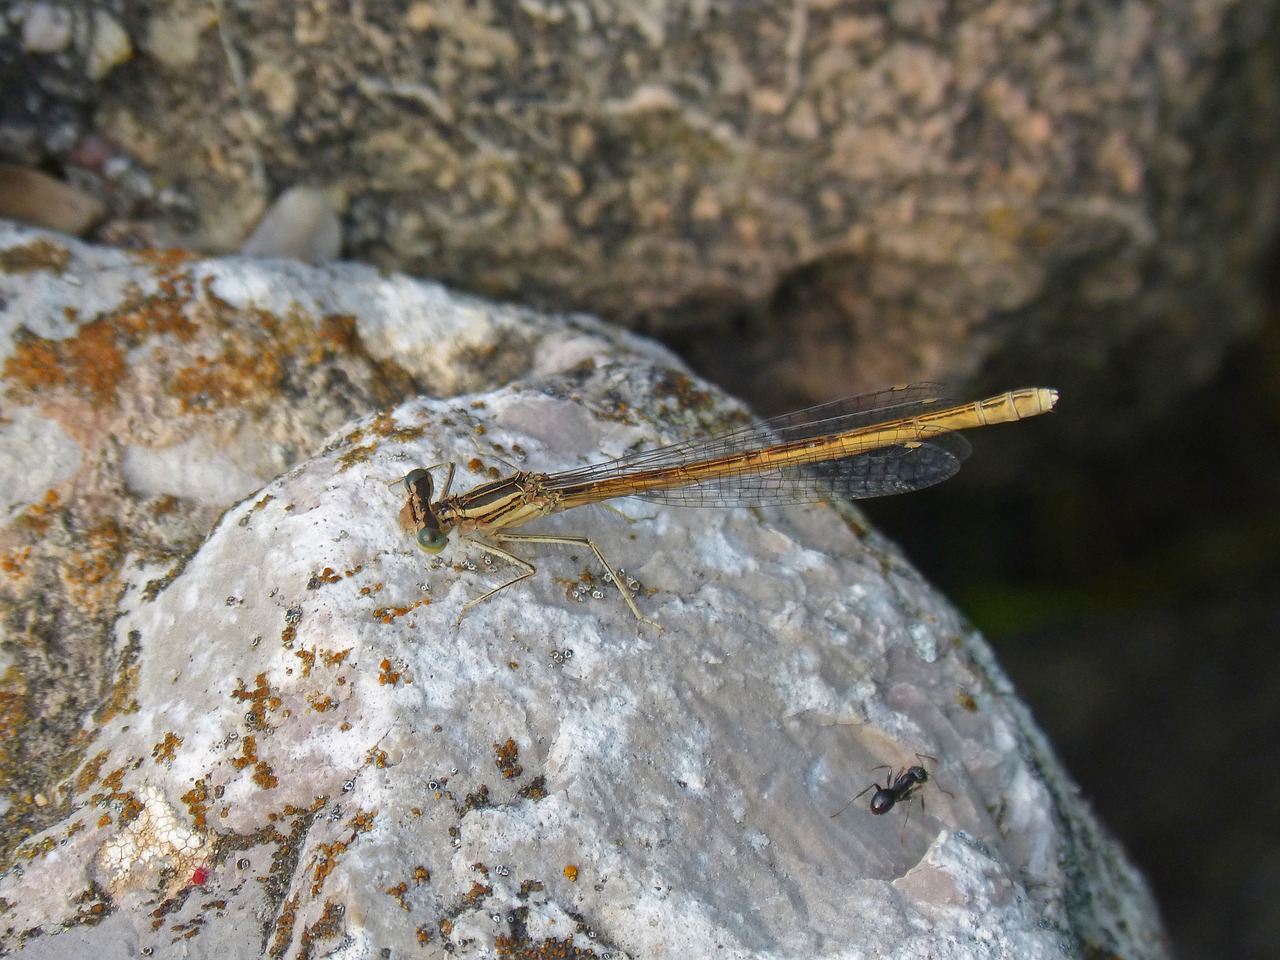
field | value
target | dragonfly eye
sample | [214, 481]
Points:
[432, 541]
[416, 476]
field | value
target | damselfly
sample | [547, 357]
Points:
[891, 441]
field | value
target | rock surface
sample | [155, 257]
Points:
[294, 747]
[858, 194]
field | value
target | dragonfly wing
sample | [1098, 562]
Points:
[900, 468]
[822, 420]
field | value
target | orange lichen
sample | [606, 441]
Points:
[535, 789]
[14, 714]
[397, 893]
[477, 800]
[40, 254]
[121, 700]
[285, 922]
[196, 800]
[334, 658]
[508, 755]
[89, 773]
[38, 517]
[248, 753]
[356, 455]
[308, 658]
[325, 576]
[247, 367]
[167, 749]
[328, 927]
[384, 425]
[166, 258]
[14, 563]
[524, 948]
[92, 577]
[387, 674]
[261, 698]
[264, 777]
[388, 614]
[90, 364]
[321, 702]
[326, 861]
[571, 872]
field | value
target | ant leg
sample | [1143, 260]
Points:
[923, 757]
[855, 797]
[902, 837]
[845, 807]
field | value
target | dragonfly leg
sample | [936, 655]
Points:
[528, 568]
[573, 541]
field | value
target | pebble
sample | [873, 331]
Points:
[40, 200]
[301, 225]
[110, 45]
[46, 28]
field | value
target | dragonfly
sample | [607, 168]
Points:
[890, 441]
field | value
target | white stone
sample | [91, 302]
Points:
[300, 224]
[46, 28]
[317, 723]
[48, 454]
[109, 45]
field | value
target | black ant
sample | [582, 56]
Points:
[897, 789]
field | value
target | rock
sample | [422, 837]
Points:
[109, 45]
[293, 745]
[40, 200]
[846, 195]
[47, 28]
[301, 225]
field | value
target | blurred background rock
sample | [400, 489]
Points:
[810, 201]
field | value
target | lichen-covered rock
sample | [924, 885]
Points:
[897, 191]
[287, 739]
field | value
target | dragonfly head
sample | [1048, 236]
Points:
[418, 513]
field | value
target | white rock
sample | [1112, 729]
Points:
[325, 760]
[301, 224]
[46, 28]
[109, 45]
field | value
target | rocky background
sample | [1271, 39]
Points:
[811, 200]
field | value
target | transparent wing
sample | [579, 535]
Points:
[895, 467]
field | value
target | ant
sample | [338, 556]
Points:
[897, 789]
